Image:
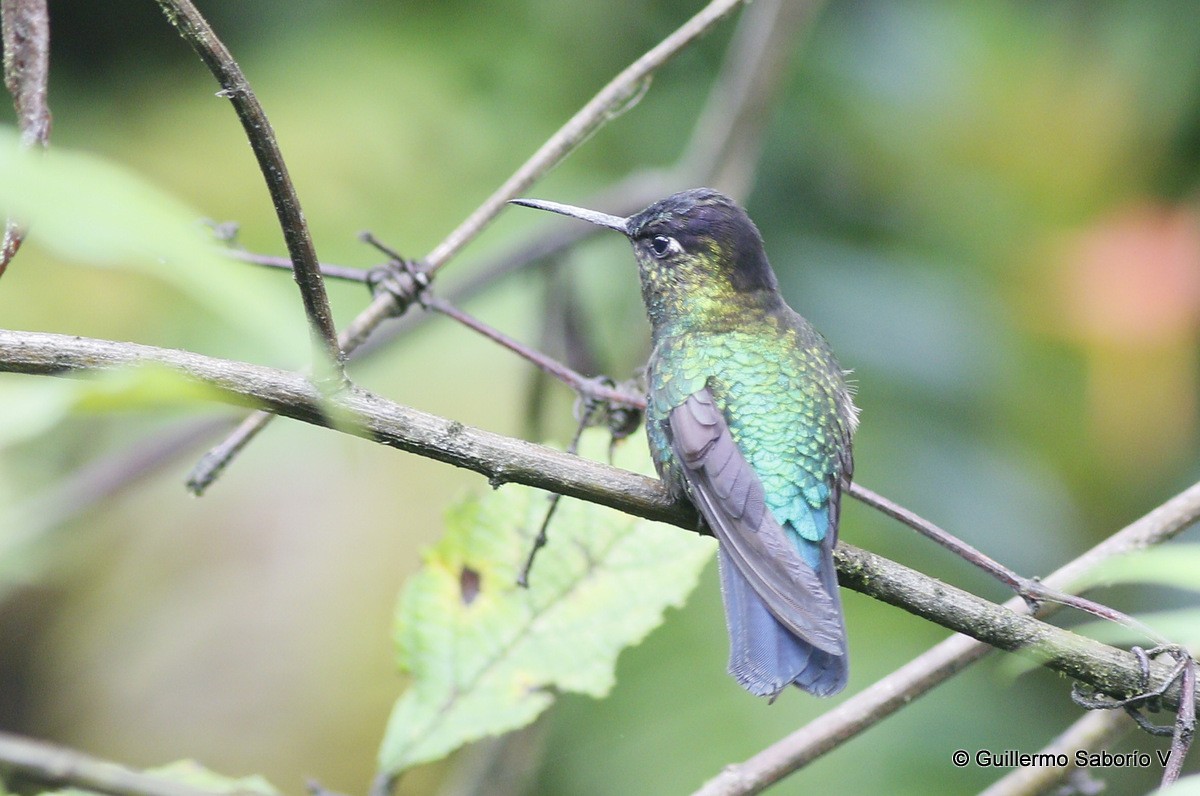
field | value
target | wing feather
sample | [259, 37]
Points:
[730, 496]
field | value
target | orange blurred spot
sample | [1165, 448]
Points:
[1133, 280]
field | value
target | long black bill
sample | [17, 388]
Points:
[591, 216]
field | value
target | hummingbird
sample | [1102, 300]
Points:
[750, 417]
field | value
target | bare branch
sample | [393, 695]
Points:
[26, 32]
[1030, 589]
[933, 667]
[10, 242]
[574, 380]
[503, 459]
[58, 765]
[234, 86]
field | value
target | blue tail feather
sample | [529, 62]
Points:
[763, 656]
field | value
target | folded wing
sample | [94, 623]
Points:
[730, 496]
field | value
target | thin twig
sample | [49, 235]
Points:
[589, 409]
[26, 33]
[10, 242]
[933, 667]
[401, 277]
[234, 86]
[504, 459]
[1083, 659]
[58, 765]
[588, 387]
[1185, 723]
[26, 26]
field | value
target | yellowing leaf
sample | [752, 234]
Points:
[487, 656]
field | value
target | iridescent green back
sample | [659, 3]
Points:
[787, 405]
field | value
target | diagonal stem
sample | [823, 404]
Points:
[1032, 591]
[586, 387]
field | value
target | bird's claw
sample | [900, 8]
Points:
[1150, 697]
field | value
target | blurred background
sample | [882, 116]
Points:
[989, 209]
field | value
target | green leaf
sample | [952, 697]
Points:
[1169, 565]
[487, 656]
[90, 210]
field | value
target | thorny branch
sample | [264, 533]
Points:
[234, 86]
[26, 32]
[592, 388]
[503, 459]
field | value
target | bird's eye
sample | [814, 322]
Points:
[660, 245]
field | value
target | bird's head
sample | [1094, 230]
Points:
[699, 255]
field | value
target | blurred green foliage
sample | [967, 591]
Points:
[988, 208]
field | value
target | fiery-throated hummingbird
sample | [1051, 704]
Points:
[750, 417]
